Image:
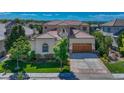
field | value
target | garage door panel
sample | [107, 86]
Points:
[79, 47]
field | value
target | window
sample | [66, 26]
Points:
[63, 30]
[45, 27]
[45, 47]
[108, 29]
[84, 28]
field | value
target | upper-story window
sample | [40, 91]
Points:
[45, 27]
[108, 29]
[84, 28]
[63, 30]
[45, 47]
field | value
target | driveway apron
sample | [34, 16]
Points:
[88, 66]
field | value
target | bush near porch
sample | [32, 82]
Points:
[43, 66]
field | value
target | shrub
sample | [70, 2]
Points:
[105, 58]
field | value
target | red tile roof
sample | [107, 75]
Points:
[54, 34]
[66, 22]
[80, 34]
[50, 34]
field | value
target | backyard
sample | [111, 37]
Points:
[49, 66]
[117, 67]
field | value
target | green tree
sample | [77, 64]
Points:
[102, 43]
[16, 32]
[61, 51]
[20, 48]
[120, 39]
[99, 37]
[121, 43]
[31, 55]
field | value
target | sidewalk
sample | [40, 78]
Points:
[43, 76]
[3, 59]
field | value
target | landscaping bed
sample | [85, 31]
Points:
[49, 66]
[117, 67]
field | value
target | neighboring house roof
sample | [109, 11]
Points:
[66, 22]
[117, 22]
[53, 22]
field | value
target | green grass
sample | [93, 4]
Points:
[117, 67]
[49, 66]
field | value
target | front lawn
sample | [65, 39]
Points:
[49, 66]
[117, 67]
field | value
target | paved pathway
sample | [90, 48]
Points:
[89, 67]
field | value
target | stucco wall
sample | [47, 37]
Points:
[49, 27]
[37, 45]
[2, 46]
[83, 40]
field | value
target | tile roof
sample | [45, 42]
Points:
[80, 34]
[66, 22]
[53, 22]
[54, 34]
[117, 22]
[50, 34]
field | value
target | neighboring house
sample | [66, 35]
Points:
[2, 38]
[2, 49]
[94, 27]
[9, 25]
[67, 25]
[115, 27]
[75, 31]
[6, 28]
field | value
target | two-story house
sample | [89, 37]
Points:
[75, 31]
[115, 27]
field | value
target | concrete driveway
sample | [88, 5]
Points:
[88, 66]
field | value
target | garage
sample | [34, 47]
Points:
[80, 47]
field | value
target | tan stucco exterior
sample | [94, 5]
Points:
[37, 44]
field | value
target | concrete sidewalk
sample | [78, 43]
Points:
[43, 76]
[32, 75]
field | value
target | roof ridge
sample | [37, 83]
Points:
[51, 35]
[114, 22]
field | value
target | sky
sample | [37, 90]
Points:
[82, 16]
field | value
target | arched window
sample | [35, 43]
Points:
[45, 47]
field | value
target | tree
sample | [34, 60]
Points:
[120, 39]
[121, 43]
[61, 51]
[102, 43]
[31, 55]
[16, 32]
[99, 37]
[20, 48]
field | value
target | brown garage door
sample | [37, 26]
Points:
[79, 47]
